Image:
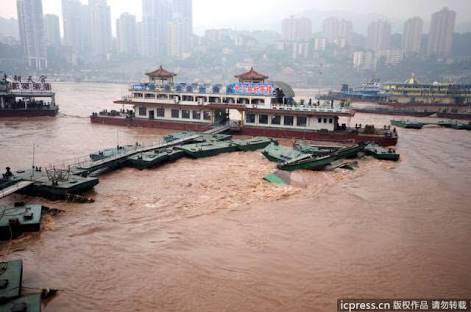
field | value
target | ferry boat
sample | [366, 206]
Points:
[266, 108]
[30, 98]
[370, 91]
[411, 92]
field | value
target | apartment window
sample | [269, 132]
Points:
[142, 111]
[288, 120]
[276, 120]
[175, 113]
[207, 115]
[263, 119]
[301, 121]
[185, 114]
[196, 115]
[160, 112]
[249, 118]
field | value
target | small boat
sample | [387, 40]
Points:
[206, 149]
[315, 150]
[253, 144]
[407, 124]
[154, 158]
[279, 153]
[382, 153]
[19, 219]
[317, 163]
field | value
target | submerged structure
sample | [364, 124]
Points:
[265, 108]
[30, 98]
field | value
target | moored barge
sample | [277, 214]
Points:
[266, 108]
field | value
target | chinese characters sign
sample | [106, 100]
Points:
[250, 88]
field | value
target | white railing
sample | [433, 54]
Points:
[299, 108]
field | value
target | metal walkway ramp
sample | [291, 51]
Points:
[14, 188]
[219, 129]
[88, 167]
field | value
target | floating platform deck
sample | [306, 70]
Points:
[26, 303]
[11, 280]
[19, 219]
[206, 149]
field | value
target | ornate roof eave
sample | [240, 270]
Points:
[161, 73]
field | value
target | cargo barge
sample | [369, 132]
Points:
[28, 98]
[266, 108]
[410, 98]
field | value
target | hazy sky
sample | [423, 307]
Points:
[264, 14]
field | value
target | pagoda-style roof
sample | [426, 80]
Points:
[252, 76]
[161, 73]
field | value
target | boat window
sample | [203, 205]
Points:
[206, 115]
[263, 119]
[319, 120]
[330, 120]
[258, 101]
[150, 96]
[185, 114]
[137, 95]
[160, 112]
[288, 120]
[175, 113]
[301, 121]
[249, 118]
[325, 120]
[142, 111]
[196, 115]
[242, 101]
[276, 120]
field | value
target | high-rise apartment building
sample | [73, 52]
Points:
[100, 35]
[127, 34]
[412, 36]
[31, 26]
[337, 31]
[52, 30]
[76, 23]
[296, 29]
[440, 37]
[156, 15]
[182, 24]
[379, 36]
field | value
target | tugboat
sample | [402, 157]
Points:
[28, 98]
[266, 108]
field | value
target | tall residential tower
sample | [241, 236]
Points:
[31, 25]
[441, 33]
[412, 36]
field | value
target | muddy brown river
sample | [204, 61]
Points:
[211, 235]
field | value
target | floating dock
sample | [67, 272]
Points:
[11, 284]
[19, 219]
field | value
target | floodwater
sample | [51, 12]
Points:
[211, 235]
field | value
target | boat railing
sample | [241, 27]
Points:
[304, 108]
